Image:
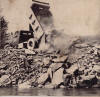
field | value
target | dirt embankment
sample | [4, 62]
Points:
[80, 67]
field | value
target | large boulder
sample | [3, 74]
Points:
[42, 78]
[55, 66]
[24, 85]
[58, 77]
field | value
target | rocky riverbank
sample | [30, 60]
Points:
[80, 67]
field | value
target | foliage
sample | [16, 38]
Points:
[3, 29]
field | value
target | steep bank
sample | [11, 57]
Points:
[79, 67]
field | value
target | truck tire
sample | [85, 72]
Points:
[31, 44]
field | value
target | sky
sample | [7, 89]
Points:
[16, 13]
[74, 17]
[77, 17]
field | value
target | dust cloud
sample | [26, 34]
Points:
[77, 17]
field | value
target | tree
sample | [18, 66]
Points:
[3, 29]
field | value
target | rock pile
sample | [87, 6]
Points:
[16, 67]
[80, 67]
[86, 59]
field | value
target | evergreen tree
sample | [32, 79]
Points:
[3, 29]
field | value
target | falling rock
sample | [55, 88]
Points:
[72, 69]
[42, 78]
[58, 77]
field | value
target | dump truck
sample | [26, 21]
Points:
[31, 39]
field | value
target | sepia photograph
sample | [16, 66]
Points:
[49, 47]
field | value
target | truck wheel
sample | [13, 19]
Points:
[31, 44]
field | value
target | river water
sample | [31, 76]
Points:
[49, 92]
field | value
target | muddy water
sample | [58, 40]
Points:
[48, 92]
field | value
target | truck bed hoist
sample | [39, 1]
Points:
[31, 39]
